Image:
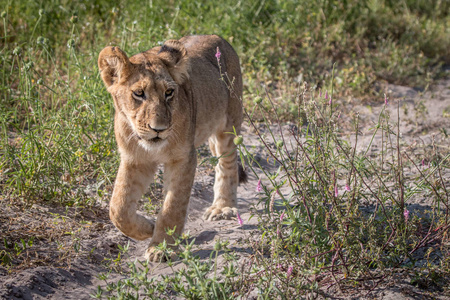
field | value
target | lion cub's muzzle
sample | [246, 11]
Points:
[154, 134]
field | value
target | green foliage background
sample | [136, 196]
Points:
[56, 115]
[56, 131]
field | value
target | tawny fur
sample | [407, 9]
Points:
[153, 128]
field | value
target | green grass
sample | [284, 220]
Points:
[56, 131]
[56, 115]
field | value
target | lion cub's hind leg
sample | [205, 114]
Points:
[226, 179]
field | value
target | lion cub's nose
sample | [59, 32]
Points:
[158, 129]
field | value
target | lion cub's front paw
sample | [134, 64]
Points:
[214, 213]
[153, 254]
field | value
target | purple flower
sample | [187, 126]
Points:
[423, 162]
[282, 216]
[385, 100]
[289, 271]
[347, 188]
[329, 102]
[406, 214]
[336, 193]
[239, 219]
[218, 53]
[258, 186]
[326, 95]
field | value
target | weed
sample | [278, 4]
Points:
[191, 282]
[318, 228]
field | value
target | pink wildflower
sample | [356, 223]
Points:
[423, 162]
[218, 53]
[347, 188]
[326, 95]
[320, 94]
[289, 271]
[385, 100]
[329, 102]
[258, 186]
[282, 216]
[406, 214]
[239, 219]
[336, 193]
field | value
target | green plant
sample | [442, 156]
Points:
[193, 281]
[14, 250]
[320, 230]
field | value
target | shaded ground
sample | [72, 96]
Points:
[71, 247]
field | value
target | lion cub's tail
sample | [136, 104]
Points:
[242, 174]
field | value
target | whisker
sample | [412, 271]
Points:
[132, 135]
[175, 135]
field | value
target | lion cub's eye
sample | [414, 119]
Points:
[139, 95]
[169, 93]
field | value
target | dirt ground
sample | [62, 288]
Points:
[73, 246]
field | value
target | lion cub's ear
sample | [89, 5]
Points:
[113, 64]
[174, 56]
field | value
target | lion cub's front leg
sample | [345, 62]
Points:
[131, 182]
[178, 181]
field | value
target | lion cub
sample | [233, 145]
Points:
[168, 101]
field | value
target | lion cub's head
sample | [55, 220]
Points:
[146, 87]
